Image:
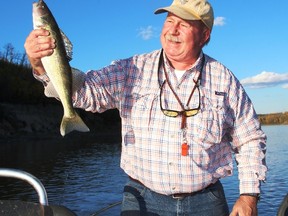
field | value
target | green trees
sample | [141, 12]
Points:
[17, 84]
[274, 118]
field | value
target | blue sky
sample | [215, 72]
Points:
[249, 37]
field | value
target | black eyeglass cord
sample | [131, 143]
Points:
[161, 63]
[184, 146]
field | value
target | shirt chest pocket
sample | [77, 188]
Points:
[143, 109]
[209, 124]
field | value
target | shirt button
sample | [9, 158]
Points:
[170, 164]
[173, 188]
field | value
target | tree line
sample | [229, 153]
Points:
[274, 118]
[17, 84]
[10, 55]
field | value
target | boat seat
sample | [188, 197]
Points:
[16, 208]
[283, 209]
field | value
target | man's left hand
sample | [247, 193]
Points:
[245, 206]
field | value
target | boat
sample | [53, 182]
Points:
[283, 209]
[42, 208]
[23, 208]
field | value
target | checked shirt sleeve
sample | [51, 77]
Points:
[249, 144]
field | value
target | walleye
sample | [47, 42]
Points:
[58, 69]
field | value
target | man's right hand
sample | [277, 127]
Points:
[39, 44]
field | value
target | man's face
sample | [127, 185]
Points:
[182, 40]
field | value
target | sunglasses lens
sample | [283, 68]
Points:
[174, 113]
[170, 113]
[191, 112]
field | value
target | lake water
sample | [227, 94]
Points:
[86, 177]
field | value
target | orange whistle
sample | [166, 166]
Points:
[185, 149]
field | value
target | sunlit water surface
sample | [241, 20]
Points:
[86, 177]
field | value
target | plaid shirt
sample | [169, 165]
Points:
[151, 142]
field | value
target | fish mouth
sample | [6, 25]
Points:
[39, 3]
[40, 8]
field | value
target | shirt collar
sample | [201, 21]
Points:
[196, 66]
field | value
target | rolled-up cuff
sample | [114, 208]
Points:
[250, 183]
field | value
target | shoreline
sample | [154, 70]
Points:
[42, 121]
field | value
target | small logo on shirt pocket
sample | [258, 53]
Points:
[220, 93]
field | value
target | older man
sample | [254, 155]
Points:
[183, 115]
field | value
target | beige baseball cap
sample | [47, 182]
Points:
[191, 10]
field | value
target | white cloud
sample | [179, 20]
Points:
[266, 79]
[219, 21]
[146, 33]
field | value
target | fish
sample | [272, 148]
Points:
[58, 68]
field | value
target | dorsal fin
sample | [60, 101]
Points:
[68, 46]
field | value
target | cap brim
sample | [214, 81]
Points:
[178, 12]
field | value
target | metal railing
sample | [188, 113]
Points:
[32, 180]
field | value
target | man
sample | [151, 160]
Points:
[183, 115]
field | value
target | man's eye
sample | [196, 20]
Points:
[183, 25]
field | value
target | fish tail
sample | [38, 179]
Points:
[72, 124]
